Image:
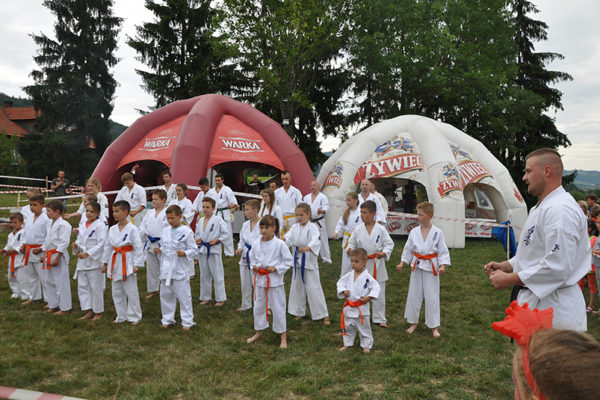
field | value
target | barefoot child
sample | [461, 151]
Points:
[305, 241]
[151, 230]
[358, 288]
[249, 234]
[56, 260]
[90, 247]
[122, 256]
[177, 251]
[270, 258]
[184, 203]
[211, 231]
[18, 279]
[428, 256]
[35, 234]
[346, 224]
[376, 240]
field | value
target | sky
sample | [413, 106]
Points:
[572, 32]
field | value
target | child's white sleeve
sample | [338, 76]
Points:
[374, 288]
[408, 251]
[138, 254]
[388, 244]
[223, 231]
[341, 286]
[443, 255]
[191, 250]
[96, 252]
[339, 228]
[315, 239]
[107, 253]
[286, 260]
[353, 243]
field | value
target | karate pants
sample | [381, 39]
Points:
[127, 299]
[378, 308]
[152, 272]
[246, 285]
[311, 288]
[59, 287]
[228, 248]
[178, 290]
[568, 304]
[364, 332]
[325, 253]
[37, 280]
[423, 285]
[19, 285]
[90, 288]
[276, 305]
[212, 270]
[346, 267]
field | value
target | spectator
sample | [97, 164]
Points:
[61, 186]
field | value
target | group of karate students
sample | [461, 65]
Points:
[283, 231]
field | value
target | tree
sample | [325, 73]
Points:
[73, 89]
[186, 55]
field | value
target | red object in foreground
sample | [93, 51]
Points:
[21, 394]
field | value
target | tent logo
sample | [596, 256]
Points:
[449, 180]
[158, 143]
[241, 145]
[334, 178]
[394, 157]
[471, 171]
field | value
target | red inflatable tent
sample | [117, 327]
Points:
[191, 136]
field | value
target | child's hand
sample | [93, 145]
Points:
[76, 231]
[214, 242]
[380, 254]
[304, 249]
[349, 251]
[82, 255]
[157, 251]
[272, 269]
[198, 241]
[238, 252]
[22, 250]
[103, 269]
[346, 293]
[181, 253]
[37, 250]
[254, 268]
[74, 246]
[2, 251]
[57, 260]
[135, 270]
[442, 269]
[335, 236]
[365, 299]
[400, 266]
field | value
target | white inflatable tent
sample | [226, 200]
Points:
[447, 162]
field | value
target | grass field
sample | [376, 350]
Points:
[98, 360]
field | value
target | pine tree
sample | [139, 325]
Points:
[73, 89]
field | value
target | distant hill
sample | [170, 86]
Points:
[586, 180]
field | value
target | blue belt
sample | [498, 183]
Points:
[151, 239]
[207, 244]
[248, 255]
[302, 262]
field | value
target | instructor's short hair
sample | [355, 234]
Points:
[127, 176]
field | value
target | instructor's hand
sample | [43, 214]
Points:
[503, 280]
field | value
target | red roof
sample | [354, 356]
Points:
[8, 126]
[20, 113]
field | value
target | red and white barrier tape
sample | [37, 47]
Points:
[23, 178]
[478, 222]
[24, 187]
[22, 394]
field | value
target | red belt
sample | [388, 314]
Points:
[425, 257]
[122, 250]
[374, 258]
[349, 303]
[28, 248]
[263, 271]
[48, 263]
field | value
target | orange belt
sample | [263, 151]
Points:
[425, 257]
[48, 263]
[373, 257]
[263, 271]
[349, 303]
[28, 248]
[12, 264]
[122, 250]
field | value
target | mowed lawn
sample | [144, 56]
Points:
[98, 360]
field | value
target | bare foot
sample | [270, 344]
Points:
[26, 302]
[239, 309]
[61, 312]
[366, 351]
[342, 349]
[254, 338]
[219, 304]
[326, 321]
[205, 302]
[87, 315]
[283, 344]
[412, 328]
[46, 306]
[269, 312]
[299, 317]
[151, 295]
[135, 323]
[383, 325]
[97, 317]
[165, 326]
[185, 328]
[436, 333]
[51, 310]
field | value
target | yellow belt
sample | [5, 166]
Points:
[347, 240]
[287, 223]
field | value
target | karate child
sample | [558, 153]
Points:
[249, 234]
[56, 260]
[18, 279]
[268, 206]
[184, 203]
[270, 258]
[211, 231]
[346, 224]
[35, 234]
[305, 242]
[375, 239]
[428, 255]
[151, 230]
[90, 247]
[26, 210]
[135, 195]
[123, 251]
[358, 288]
[177, 251]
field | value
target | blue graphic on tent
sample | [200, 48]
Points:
[401, 143]
[338, 168]
[456, 151]
[449, 171]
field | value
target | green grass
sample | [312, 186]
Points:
[102, 361]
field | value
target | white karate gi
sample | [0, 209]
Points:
[125, 292]
[378, 240]
[273, 253]
[197, 204]
[35, 234]
[150, 233]
[423, 283]
[171, 194]
[90, 279]
[83, 218]
[275, 211]
[308, 285]
[321, 201]
[247, 237]
[364, 285]
[58, 285]
[187, 209]
[211, 266]
[380, 214]
[226, 197]
[174, 275]
[18, 279]
[553, 254]
[103, 201]
[344, 231]
[287, 201]
[136, 197]
[26, 212]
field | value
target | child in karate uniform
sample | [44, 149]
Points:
[90, 247]
[375, 239]
[184, 203]
[56, 260]
[18, 279]
[177, 250]
[358, 288]
[305, 242]
[427, 254]
[269, 207]
[270, 258]
[211, 231]
[346, 224]
[249, 234]
[37, 225]
[151, 230]
[123, 255]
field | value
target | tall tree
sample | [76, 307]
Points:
[186, 55]
[73, 88]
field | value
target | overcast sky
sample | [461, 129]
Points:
[573, 31]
